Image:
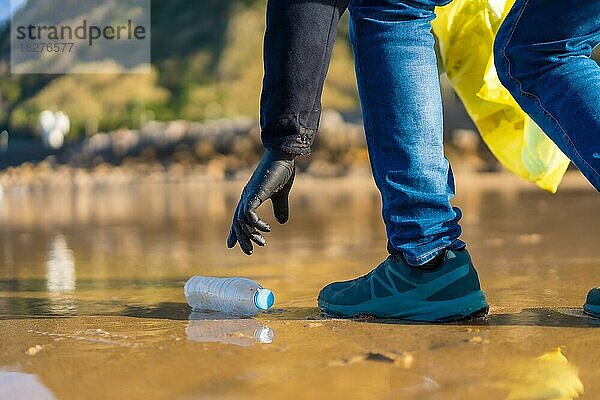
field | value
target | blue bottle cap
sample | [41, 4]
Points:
[264, 299]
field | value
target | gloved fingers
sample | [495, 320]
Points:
[280, 201]
[245, 243]
[258, 239]
[253, 234]
[255, 221]
[250, 215]
[231, 239]
[281, 209]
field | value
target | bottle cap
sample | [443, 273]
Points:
[264, 299]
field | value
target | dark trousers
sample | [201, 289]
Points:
[298, 44]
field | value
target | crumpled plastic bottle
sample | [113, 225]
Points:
[466, 31]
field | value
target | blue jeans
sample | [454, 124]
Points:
[542, 55]
[402, 111]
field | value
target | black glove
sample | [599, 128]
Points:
[272, 179]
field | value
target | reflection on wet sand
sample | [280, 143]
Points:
[60, 276]
[94, 277]
[19, 386]
[27, 307]
[223, 328]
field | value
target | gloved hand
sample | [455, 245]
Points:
[272, 179]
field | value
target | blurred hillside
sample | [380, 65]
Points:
[206, 61]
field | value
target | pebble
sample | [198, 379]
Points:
[478, 340]
[314, 324]
[33, 350]
[404, 360]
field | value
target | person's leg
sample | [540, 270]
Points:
[298, 43]
[542, 56]
[399, 90]
[429, 276]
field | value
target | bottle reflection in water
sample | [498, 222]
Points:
[223, 328]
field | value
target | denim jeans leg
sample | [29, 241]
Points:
[543, 57]
[402, 110]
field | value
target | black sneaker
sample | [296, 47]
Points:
[449, 292]
[592, 303]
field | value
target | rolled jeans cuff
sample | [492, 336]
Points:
[457, 244]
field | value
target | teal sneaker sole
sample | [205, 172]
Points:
[592, 310]
[470, 306]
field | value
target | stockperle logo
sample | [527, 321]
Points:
[80, 36]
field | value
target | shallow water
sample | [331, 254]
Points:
[94, 278]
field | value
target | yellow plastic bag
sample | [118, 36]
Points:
[466, 31]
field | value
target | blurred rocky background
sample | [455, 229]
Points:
[196, 111]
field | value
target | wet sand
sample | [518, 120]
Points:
[94, 278]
